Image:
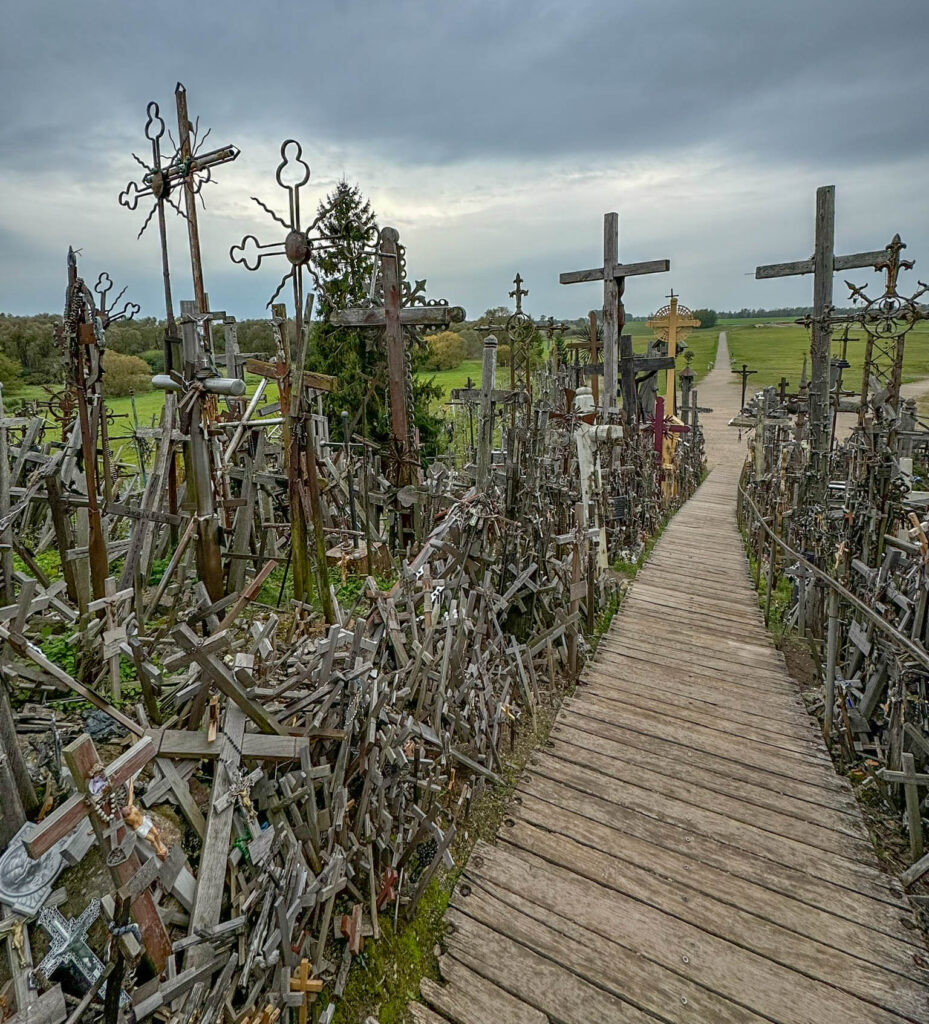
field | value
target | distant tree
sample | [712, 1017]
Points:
[444, 351]
[10, 374]
[122, 374]
[707, 317]
[155, 358]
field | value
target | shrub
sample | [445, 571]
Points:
[10, 374]
[155, 358]
[446, 351]
[122, 374]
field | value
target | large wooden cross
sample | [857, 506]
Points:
[613, 274]
[822, 265]
[672, 323]
[402, 307]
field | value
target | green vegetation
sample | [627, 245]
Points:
[776, 348]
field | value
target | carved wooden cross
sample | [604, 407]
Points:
[403, 307]
[673, 323]
[613, 274]
[822, 265]
[81, 757]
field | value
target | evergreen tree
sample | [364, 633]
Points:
[357, 357]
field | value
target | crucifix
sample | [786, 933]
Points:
[613, 274]
[822, 265]
[99, 799]
[673, 323]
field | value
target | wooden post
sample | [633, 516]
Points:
[769, 584]
[610, 316]
[396, 355]
[821, 336]
[485, 441]
[831, 655]
[913, 817]
[6, 536]
[594, 379]
[627, 367]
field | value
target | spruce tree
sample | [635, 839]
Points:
[357, 357]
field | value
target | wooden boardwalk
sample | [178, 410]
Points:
[682, 850]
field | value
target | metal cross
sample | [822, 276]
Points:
[300, 244]
[518, 292]
[67, 944]
[187, 168]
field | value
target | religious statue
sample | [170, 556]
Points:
[143, 826]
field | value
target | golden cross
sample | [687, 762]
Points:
[673, 324]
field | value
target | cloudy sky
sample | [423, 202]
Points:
[493, 135]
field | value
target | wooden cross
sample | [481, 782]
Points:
[81, 757]
[403, 307]
[911, 780]
[613, 274]
[303, 494]
[744, 373]
[673, 323]
[630, 365]
[822, 265]
[300, 981]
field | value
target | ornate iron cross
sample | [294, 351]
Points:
[188, 168]
[300, 244]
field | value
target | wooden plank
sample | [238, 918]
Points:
[735, 808]
[859, 939]
[467, 998]
[726, 919]
[744, 836]
[720, 966]
[751, 865]
[548, 985]
[604, 962]
[595, 750]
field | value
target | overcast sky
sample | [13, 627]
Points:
[492, 135]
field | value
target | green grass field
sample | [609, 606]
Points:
[701, 343]
[776, 351]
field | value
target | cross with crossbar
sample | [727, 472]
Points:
[613, 274]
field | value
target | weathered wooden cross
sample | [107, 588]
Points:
[822, 265]
[613, 274]
[487, 396]
[402, 307]
[744, 373]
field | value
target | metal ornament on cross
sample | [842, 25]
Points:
[302, 243]
[673, 323]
